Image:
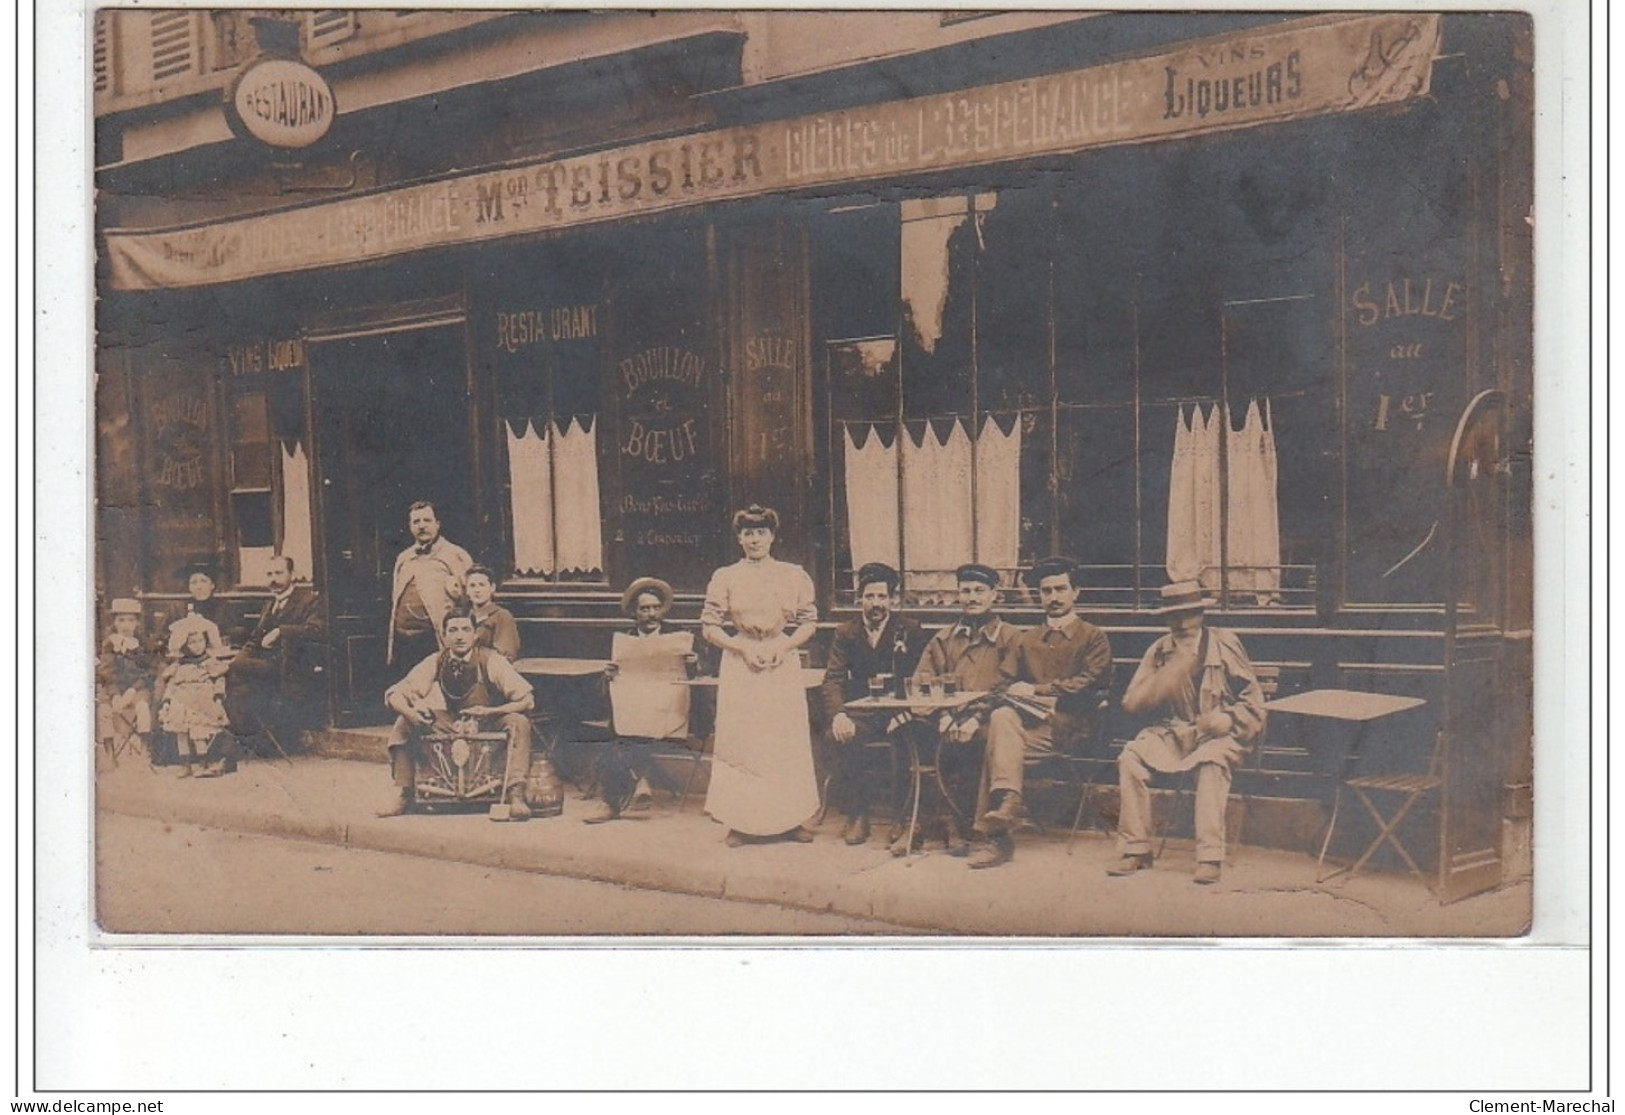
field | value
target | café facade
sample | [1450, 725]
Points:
[1242, 297]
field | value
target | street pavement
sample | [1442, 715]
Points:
[169, 877]
[1054, 887]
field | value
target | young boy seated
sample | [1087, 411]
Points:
[124, 676]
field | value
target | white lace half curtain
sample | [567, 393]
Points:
[553, 486]
[296, 532]
[1252, 536]
[960, 499]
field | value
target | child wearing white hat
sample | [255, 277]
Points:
[124, 676]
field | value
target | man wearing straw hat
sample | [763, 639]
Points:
[1199, 686]
[624, 765]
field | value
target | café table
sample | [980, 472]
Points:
[560, 667]
[810, 679]
[1352, 708]
[926, 704]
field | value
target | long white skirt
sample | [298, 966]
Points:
[762, 780]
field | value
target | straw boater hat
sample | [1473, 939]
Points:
[125, 606]
[1181, 596]
[629, 598]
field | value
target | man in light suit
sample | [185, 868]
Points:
[428, 581]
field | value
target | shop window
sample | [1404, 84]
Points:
[1046, 392]
[550, 401]
[558, 526]
[270, 483]
[923, 496]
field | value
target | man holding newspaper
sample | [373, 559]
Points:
[1063, 671]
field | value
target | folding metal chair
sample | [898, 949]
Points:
[1405, 791]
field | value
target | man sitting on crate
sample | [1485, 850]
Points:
[880, 643]
[1198, 684]
[443, 695]
[1063, 672]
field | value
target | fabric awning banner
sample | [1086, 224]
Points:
[1288, 71]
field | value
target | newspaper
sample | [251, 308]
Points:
[643, 699]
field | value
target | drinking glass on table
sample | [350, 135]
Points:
[878, 684]
[950, 685]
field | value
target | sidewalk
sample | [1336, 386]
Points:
[1048, 890]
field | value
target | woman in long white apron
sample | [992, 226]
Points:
[762, 781]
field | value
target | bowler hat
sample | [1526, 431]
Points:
[629, 598]
[1181, 596]
[977, 572]
[878, 571]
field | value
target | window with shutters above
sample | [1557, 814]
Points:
[328, 26]
[101, 67]
[174, 45]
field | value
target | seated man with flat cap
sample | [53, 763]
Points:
[1199, 687]
[661, 708]
[460, 683]
[979, 652]
[878, 643]
[1063, 672]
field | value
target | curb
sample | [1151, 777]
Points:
[746, 883]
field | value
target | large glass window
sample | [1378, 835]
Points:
[269, 494]
[1114, 359]
[544, 340]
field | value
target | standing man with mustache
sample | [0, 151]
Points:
[428, 581]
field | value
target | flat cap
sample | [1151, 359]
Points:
[976, 571]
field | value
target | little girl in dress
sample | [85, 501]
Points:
[194, 687]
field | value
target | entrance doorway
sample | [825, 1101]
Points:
[392, 427]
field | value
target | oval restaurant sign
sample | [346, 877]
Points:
[282, 103]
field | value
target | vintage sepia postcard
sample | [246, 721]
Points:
[718, 473]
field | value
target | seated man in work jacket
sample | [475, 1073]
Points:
[464, 681]
[979, 652]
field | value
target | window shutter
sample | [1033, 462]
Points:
[174, 45]
[332, 25]
[101, 65]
